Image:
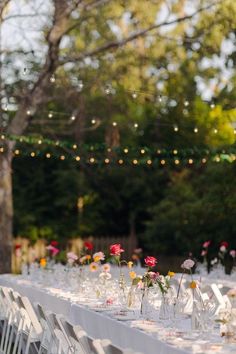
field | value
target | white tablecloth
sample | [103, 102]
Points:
[100, 325]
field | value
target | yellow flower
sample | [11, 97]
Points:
[96, 259]
[88, 257]
[193, 285]
[130, 264]
[43, 262]
[93, 267]
[171, 274]
[132, 275]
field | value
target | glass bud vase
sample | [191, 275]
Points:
[131, 297]
[145, 306]
[195, 325]
[164, 313]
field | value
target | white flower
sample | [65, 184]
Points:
[188, 264]
[105, 276]
[214, 261]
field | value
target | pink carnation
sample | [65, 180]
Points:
[150, 261]
[72, 257]
[232, 253]
[116, 250]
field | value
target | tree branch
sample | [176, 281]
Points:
[140, 33]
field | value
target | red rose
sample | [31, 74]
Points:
[88, 245]
[17, 246]
[225, 244]
[54, 243]
[150, 261]
[116, 250]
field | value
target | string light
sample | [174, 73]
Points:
[50, 115]
[17, 152]
[126, 151]
[234, 131]
[48, 156]
[215, 131]
[2, 137]
[195, 130]
[109, 150]
[177, 162]
[32, 154]
[217, 159]
[142, 151]
[52, 79]
[39, 141]
[62, 157]
[212, 105]
[176, 129]
[114, 124]
[135, 162]
[186, 103]
[1, 149]
[121, 161]
[80, 85]
[163, 162]
[28, 112]
[175, 152]
[92, 159]
[77, 158]
[134, 95]
[74, 146]
[149, 162]
[190, 161]
[136, 125]
[72, 118]
[204, 160]
[107, 161]
[93, 121]
[158, 152]
[160, 98]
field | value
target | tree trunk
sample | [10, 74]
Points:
[6, 212]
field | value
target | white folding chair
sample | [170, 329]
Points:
[80, 341]
[104, 346]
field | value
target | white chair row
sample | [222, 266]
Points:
[32, 330]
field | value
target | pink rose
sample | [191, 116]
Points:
[188, 264]
[150, 261]
[206, 244]
[204, 253]
[116, 250]
[232, 253]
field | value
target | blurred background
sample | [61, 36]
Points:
[118, 123]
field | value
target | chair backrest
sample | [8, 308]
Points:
[25, 303]
[104, 346]
[78, 337]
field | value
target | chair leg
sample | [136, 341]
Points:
[3, 335]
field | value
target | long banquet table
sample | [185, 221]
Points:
[141, 336]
